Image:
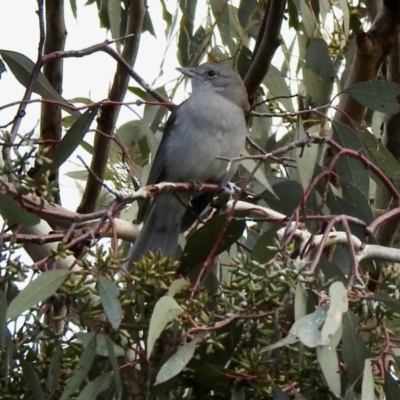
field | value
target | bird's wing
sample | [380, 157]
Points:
[157, 171]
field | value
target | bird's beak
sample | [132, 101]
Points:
[187, 71]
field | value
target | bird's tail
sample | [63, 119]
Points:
[159, 233]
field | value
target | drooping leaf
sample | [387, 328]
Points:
[300, 301]
[114, 15]
[73, 8]
[350, 395]
[329, 362]
[287, 196]
[109, 293]
[3, 320]
[96, 386]
[2, 68]
[367, 388]
[318, 59]
[201, 242]
[114, 364]
[266, 246]
[14, 213]
[354, 350]
[165, 310]
[54, 372]
[379, 155]
[391, 387]
[177, 362]
[307, 328]
[278, 394]
[81, 370]
[101, 344]
[38, 290]
[69, 142]
[337, 306]
[349, 168]
[377, 95]
[276, 84]
[22, 67]
[32, 380]
[390, 302]
[177, 286]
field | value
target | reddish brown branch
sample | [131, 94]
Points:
[267, 43]
[109, 114]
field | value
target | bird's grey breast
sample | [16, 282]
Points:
[207, 126]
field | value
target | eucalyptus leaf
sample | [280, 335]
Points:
[377, 95]
[81, 370]
[165, 310]
[22, 67]
[109, 293]
[36, 291]
[177, 362]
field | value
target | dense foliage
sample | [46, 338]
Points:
[290, 290]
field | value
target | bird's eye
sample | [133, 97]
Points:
[211, 73]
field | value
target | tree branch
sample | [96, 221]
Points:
[372, 49]
[109, 114]
[267, 43]
[50, 120]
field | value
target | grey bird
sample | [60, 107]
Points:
[210, 123]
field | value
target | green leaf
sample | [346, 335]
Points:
[379, 155]
[202, 241]
[354, 350]
[307, 328]
[349, 168]
[69, 142]
[307, 159]
[81, 175]
[73, 8]
[81, 370]
[250, 165]
[177, 362]
[114, 363]
[3, 320]
[391, 387]
[12, 211]
[96, 386]
[278, 394]
[165, 310]
[287, 196]
[138, 138]
[54, 372]
[22, 67]
[101, 344]
[390, 302]
[350, 395]
[329, 362]
[114, 15]
[300, 301]
[177, 286]
[266, 247]
[377, 95]
[32, 380]
[40, 289]
[109, 293]
[148, 24]
[318, 87]
[276, 83]
[337, 306]
[2, 68]
[185, 36]
[318, 59]
[367, 389]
